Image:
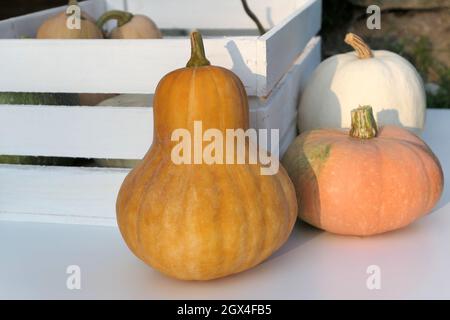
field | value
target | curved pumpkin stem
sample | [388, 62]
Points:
[363, 123]
[198, 57]
[362, 49]
[75, 3]
[253, 17]
[122, 17]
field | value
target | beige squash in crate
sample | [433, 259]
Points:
[55, 27]
[130, 26]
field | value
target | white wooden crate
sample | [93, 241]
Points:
[260, 62]
[87, 195]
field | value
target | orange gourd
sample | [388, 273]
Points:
[365, 181]
[202, 221]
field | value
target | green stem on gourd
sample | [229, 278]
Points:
[362, 49]
[198, 57]
[253, 17]
[122, 17]
[363, 123]
[72, 3]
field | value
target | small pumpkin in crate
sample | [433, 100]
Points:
[124, 100]
[130, 26]
[202, 221]
[364, 181]
[379, 78]
[55, 27]
[35, 98]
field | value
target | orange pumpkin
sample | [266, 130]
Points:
[202, 221]
[365, 182]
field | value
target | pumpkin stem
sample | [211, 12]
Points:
[198, 57]
[362, 49]
[122, 17]
[363, 123]
[74, 3]
[253, 17]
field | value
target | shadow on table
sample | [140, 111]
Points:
[301, 234]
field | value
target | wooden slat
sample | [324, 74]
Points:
[59, 194]
[86, 132]
[26, 25]
[126, 133]
[281, 46]
[113, 66]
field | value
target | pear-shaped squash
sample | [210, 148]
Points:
[202, 221]
[130, 26]
[55, 27]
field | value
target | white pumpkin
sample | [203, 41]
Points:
[382, 79]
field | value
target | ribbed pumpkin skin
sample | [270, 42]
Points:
[200, 221]
[360, 187]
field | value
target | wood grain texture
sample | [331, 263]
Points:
[86, 132]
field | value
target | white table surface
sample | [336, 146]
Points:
[414, 261]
